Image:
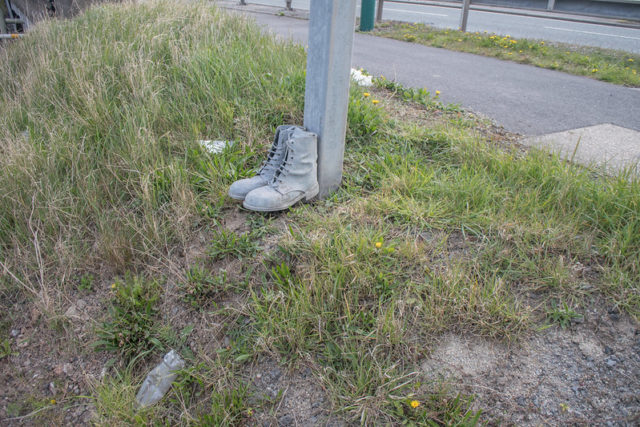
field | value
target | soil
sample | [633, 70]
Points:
[588, 373]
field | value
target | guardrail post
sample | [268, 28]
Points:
[3, 13]
[326, 97]
[464, 15]
[379, 11]
[551, 4]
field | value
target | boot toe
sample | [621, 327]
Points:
[239, 189]
[266, 199]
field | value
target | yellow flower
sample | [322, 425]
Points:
[414, 403]
[519, 51]
[633, 71]
[366, 94]
[630, 60]
[378, 245]
[374, 101]
[113, 286]
[514, 41]
[437, 92]
[595, 70]
[53, 401]
[510, 53]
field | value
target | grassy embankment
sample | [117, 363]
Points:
[613, 66]
[435, 229]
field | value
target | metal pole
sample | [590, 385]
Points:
[288, 4]
[551, 4]
[3, 14]
[326, 97]
[464, 15]
[243, 3]
[379, 11]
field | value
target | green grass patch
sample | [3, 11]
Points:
[131, 329]
[608, 65]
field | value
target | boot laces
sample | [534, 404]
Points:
[271, 163]
[284, 169]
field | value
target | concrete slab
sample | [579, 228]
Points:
[607, 146]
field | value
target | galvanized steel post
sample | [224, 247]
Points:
[379, 12]
[464, 15]
[326, 97]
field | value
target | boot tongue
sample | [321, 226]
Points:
[280, 170]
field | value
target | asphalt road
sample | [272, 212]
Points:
[516, 26]
[522, 98]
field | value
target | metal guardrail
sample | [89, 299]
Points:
[9, 18]
[562, 15]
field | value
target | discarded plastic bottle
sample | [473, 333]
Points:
[159, 379]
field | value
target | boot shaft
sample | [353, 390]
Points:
[298, 170]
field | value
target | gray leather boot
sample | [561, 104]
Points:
[295, 179]
[240, 188]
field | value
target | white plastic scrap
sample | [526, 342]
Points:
[214, 147]
[159, 380]
[361, 78]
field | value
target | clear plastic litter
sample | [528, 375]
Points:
[159, 380]
[361, 78]
[214, 146]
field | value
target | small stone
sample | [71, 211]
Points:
[608, 350]
[72, 312]
[258, 376]
[67, 368]
[81, 304]
[285, 420]
[611, 362]
[275, 374]
[15, 333]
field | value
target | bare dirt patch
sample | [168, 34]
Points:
[586, 374]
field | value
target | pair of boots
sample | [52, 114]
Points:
[287, 176]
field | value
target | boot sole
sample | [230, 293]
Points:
[306, 196]
[236, 198]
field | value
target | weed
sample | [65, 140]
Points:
[420, 96]
[5, 348]
[131, 330]
[227, 243]
[86, 282]
[364, 118]
[202, 288]
[228, 407]
[562, 314]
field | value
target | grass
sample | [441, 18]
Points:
[608, 65]
[438, 226]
